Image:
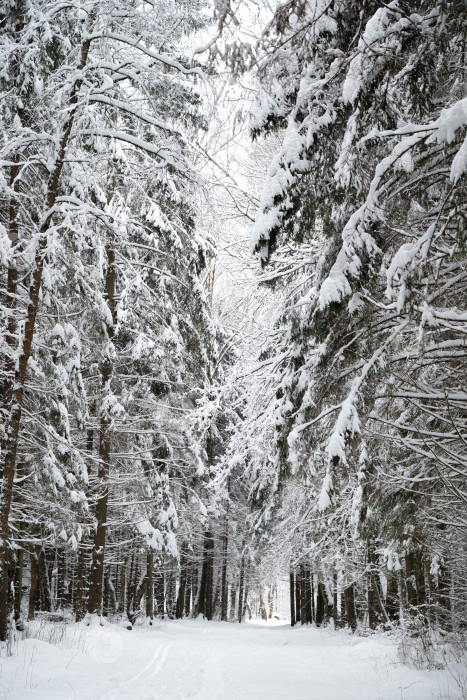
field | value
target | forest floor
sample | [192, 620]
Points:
[215, 661]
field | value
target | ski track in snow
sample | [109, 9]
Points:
[196, 660]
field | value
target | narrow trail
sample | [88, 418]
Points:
[215, 661]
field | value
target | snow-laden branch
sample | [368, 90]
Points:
[127, 108]
[137, 44]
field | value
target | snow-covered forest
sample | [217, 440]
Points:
[233, 326]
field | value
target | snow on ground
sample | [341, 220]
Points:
[214, 661]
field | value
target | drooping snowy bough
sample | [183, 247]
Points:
[367, 193]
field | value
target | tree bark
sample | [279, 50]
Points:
[371, 592]
[420, 582]
[159, 593]
[297, 598]
[271, 594]
[432, 597]
[308, 607]
[205, 592]
[350, 607]
[240, 590]
[444, 597]
[43, 582]
[61, 572]
[170, 595]
[130, 589]
[292, 599]
[33, 584]
[7, 393]
[150, 585]
[245, 603]
[210, 578]
[303, 595]
[410, 582]
[122, 587]
[103, 472]
[232, 603]
[18, 586]
[180, 607]
[188, 591]
[313, 610]
[79, 586]
[224, 591]
[320, 604]
[335, 601]
[392, 596]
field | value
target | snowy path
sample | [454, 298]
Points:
[214, 661]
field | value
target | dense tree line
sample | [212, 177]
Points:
[354, 424]
[107, 343]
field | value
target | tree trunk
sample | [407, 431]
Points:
[103, 472]
[410, 582]
[43, 582]
[122, 587]
[421, 584]
[216, 594]
[79, 586]
[240, 590]
[106, 594]
[180, 607]
[335, 600]
[150, 585]
[320, 604]
[10, 297]
[308, 607]
[210, 577]
[444, 597]
[350, 607]
[292, 599]
[303, 595]
[297, 598]
[245, 604]
[432, 597]
[224, 587]
[82, 584]
[8, 385]
[371, 585]
[205, 591]
[159, 581]
[392, 596]
[188, 591]
[170, 595]
[61, 573]
[201, 602]
[112, 593]
[130, 592]
[313, 611]
[233, 596]
[18, 587]
[33, 584]
[271, 594]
